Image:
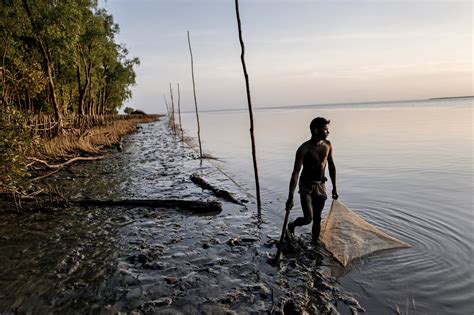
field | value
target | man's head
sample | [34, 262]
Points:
[319, 127]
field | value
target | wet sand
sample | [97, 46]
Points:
[122, 260]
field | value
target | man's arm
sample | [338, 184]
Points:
[332, 173]
[294, 177]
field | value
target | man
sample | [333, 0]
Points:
[313, 155]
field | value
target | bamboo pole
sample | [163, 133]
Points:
[179, 116]
[195, 101]
[249, 101]
[166, 104]
[167, 107]
[173, 124]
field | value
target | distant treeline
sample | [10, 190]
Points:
[60, 57]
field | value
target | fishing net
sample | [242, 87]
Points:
[347, 236]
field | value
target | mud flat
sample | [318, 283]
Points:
[113, 259]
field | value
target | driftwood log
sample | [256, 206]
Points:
[191, 205]
[224, 194]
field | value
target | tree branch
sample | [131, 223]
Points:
[78, 158]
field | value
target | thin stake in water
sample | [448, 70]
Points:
[249, 101]
[195, 101]
[179, 116]
[167, 107]
[173, 124]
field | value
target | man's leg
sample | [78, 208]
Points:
[307, 206]
[318, 205]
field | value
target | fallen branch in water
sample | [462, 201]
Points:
[46, 175]
[224, 194]
[59, 166]
[192, 205]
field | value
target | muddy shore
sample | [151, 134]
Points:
[112, 260]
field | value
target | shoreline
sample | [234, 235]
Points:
[70, 146]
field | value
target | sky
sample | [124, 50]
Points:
[298, 52]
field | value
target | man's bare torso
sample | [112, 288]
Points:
[315, 157]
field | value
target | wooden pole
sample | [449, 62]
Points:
[167, 107]
[179, 115]
[173, 124]
[280, 246]
[195, 101]
[249, 101]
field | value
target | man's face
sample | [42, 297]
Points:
[323, 132]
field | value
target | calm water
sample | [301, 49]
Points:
[405, 167]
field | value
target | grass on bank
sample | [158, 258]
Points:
[91, 141]
[19, 151]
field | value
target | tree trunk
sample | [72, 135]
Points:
[92, 105]
[4, 75]
[49, 71]
[52, 87]
[82, 93]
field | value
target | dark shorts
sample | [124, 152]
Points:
[317, 189]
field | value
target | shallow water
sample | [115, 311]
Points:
[405, 167]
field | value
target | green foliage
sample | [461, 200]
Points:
[15, 144]
[57, 57]
[128, 110]
[61, 57]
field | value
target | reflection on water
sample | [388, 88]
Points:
[404, 167]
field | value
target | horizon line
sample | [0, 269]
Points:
[332, 104]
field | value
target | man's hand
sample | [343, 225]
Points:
[334, 194]
[289, 204]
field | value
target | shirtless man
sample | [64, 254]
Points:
[313, 155]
